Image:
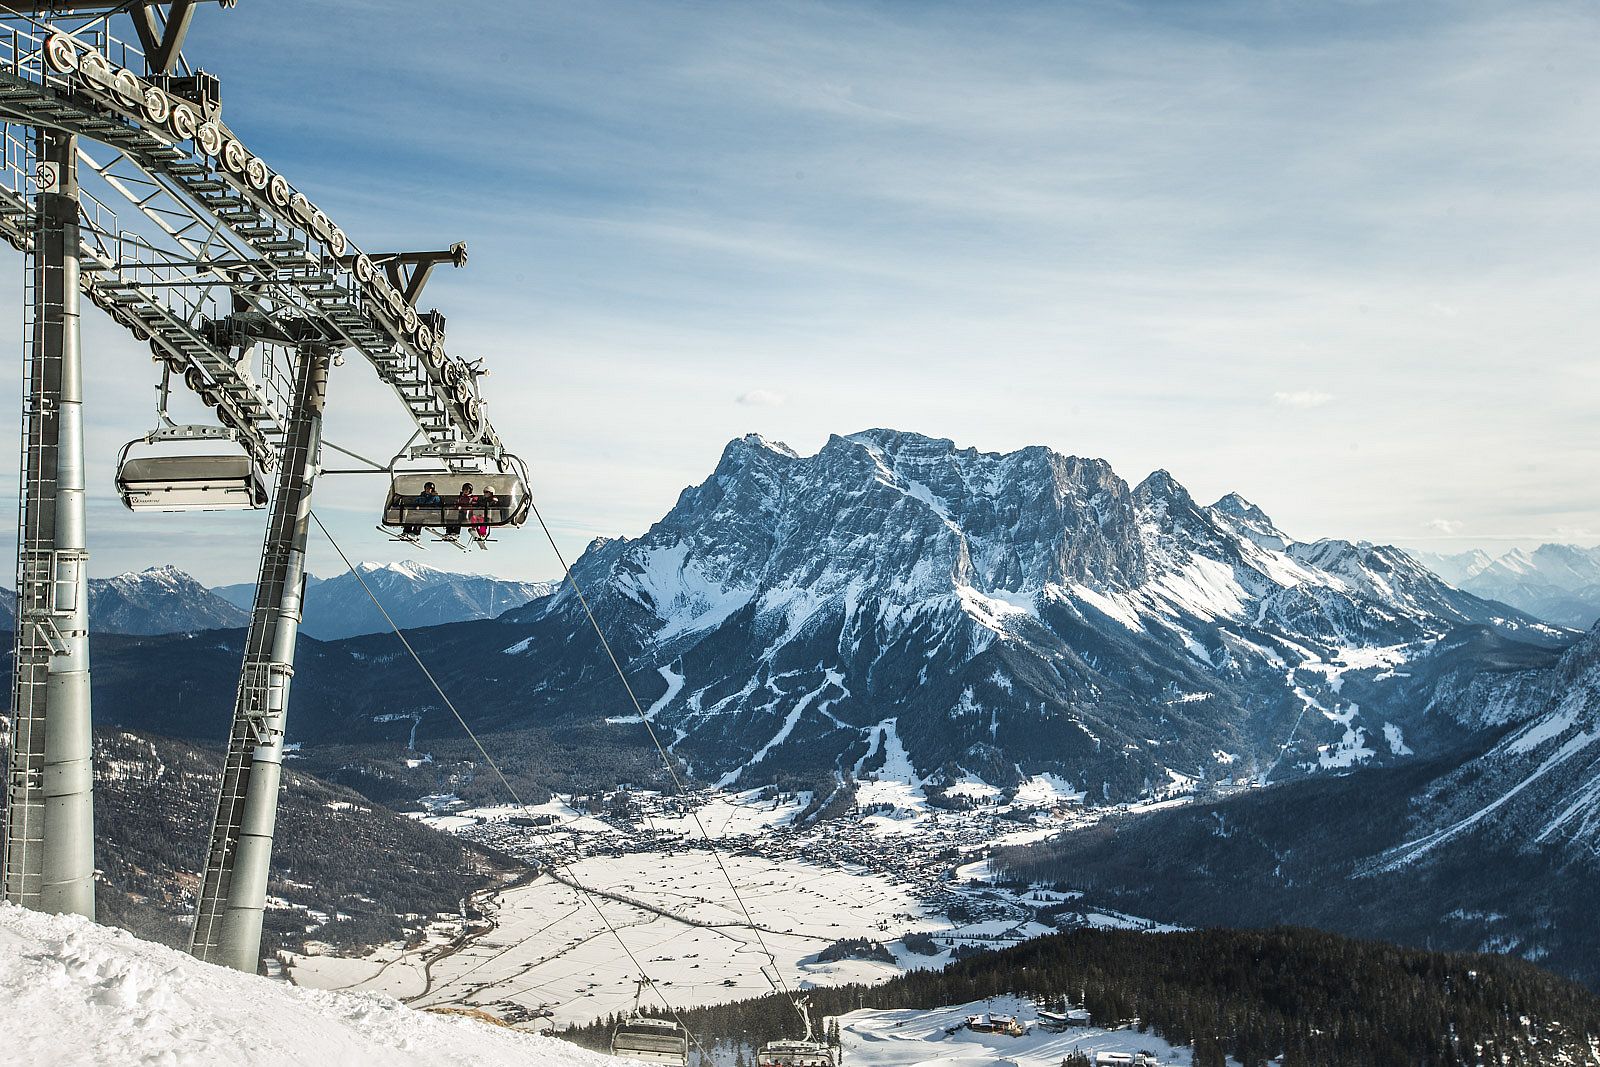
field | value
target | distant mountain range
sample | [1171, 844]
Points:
[413, 593]
[995, 617]
[158, 600]
[163, 600]
[1557, 583]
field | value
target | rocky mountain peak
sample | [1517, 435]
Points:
[755, 440]
[1240, 508]
[1011, 613]
[1246, 519]
[1159, 486]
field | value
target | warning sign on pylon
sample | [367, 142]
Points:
[47, 177]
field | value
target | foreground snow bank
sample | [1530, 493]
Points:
[72, 992]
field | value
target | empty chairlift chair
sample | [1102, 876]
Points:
[805, 1052]
[790, 1053]
[641, 1037]
[190, 482]
[651, 1040]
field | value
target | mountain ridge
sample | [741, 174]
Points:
[943, 581]
[414, 594]
[157, 600]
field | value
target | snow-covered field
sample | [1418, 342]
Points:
[73, 994]
[910, 1038]
[551, 950]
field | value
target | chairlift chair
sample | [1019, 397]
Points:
[653, 1040]
[189, 481]
[404, 509]
[787, 1052]
[183, 480]
[802, 1052]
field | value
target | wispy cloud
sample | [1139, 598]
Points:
[1444, 526]
[1302, 398]
[762, 398]
[1093, 226]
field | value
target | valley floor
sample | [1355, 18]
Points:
[545, 951]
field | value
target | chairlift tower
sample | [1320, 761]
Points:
[233, 895]
[120, 180]
[49, 846]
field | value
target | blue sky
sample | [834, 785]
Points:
[1337, 257]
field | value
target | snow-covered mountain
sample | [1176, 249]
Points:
[1558, 583]
[73, 993]
[1539, 786]
[157, 600]
[1000, 616]
[1493, 847]
[413, 593]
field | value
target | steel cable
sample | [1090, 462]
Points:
[510, 789]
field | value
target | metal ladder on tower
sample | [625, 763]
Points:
[25, 774]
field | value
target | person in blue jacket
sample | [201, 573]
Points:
[428, 498]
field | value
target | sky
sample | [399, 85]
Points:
[1338, 257]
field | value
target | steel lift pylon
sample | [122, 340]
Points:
[49, 832]
[233, 893]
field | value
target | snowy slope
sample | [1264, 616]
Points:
[73, 993]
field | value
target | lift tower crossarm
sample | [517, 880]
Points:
[207, 174]
[421, 264]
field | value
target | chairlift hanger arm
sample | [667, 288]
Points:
[162, 44]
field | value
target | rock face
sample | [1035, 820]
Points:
[1557, 583]
[1000, 616]
[413, 593]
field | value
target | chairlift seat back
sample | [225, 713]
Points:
[191, 483]
[786, 1053]
[651, 1040]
